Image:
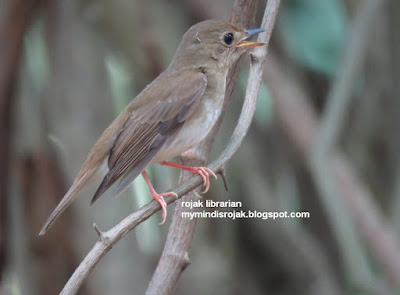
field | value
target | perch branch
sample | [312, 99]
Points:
[175, 256]
[112, 236]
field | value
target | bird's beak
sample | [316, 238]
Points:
[243, 43]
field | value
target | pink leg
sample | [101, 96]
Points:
[158, 197]
[204, 172]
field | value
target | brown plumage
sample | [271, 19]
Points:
[171, 115]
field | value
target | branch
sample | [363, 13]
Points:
[175, 256]
[111, 237]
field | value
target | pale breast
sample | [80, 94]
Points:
[199, 125]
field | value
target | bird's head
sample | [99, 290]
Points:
[213, 44]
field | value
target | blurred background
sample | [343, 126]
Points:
[324, 140]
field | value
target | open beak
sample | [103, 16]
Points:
[243, 43]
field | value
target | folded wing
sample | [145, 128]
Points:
[150, 125]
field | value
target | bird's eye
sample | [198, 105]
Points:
[228, 38]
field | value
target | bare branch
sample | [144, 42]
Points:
[112, 236]
[175, 257]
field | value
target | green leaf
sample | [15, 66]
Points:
[314, 32]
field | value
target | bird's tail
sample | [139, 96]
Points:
[70, 196]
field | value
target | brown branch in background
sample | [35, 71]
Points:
[12, 29]
[342, 180]
[307, 269]
[108, 239]
[339, 97]
[393, 22]
[338, 101]
[300, 122]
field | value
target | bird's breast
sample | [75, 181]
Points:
[199, 125]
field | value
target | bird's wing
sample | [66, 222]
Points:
[149, 126]
[148, 121]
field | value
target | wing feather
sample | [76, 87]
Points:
[155, 115]
[147, 129]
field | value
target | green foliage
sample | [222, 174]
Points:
[314, 32]
[36, 55]
[263, 113]
[120, 79]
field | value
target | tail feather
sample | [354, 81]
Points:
[70, 196]
[124, 181]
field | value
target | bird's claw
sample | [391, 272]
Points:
[160, 199]
[204, 172]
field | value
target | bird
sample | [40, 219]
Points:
[171, 115]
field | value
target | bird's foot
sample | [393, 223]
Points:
[204, 172]
[158, 197]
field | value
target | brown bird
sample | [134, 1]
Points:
[171, 115]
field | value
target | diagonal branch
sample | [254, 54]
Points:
[108, 239]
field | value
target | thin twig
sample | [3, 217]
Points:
[112, 236]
